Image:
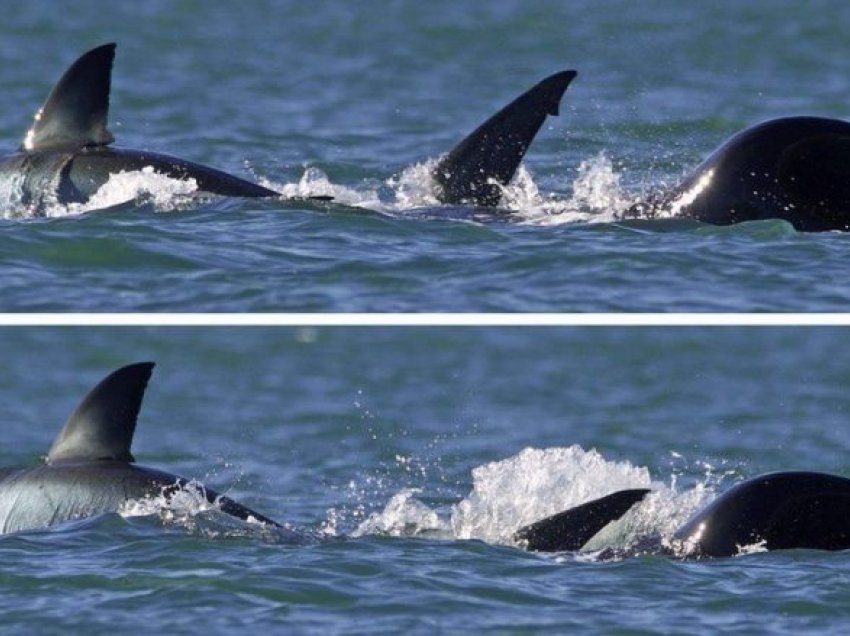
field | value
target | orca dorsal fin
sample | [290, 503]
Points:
[102, 426]
[493, 152]
[571, 529]
[76, 110]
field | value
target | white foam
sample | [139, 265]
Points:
[315, 183]
[145, 185]
[188, 507]
[413, 188]
[11, 198]
[404, 515]
[535, 484]
[169, 504]
[753, 548]
[122, 188]
[597, 194]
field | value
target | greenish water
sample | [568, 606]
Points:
[348, 100]
[380, 447]
[397, 458]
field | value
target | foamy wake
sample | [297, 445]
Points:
[122, 189]
[597, 195]
[171, 504]
[188, 508]
[140, 186]
[535, 484]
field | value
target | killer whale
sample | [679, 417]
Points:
[90, 470]
[66, 155]
[781, 511]
[776, 511]
[794, 168]
[477, 169]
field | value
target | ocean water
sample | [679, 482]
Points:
[403, 459]
[354, 100]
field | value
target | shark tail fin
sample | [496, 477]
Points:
[571, 529]
[77, 108]
[102, 426]
[488, 158]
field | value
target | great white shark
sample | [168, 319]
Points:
[793, 168]
[90, 470]
[776, 511]
[67, 155]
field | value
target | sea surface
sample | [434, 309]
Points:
[356, 100]
[403, 459]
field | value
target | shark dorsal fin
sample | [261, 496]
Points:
[102, 426]
[474, 170]
[76, 110]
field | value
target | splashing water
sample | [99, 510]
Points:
[535, 484]
[597, 195]
[404, 515]
[315, 183]
[540, 483]
[122, 188]
[414, 187]
[188, 508]
[164, 192]
[171, 504]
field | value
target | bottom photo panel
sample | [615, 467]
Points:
[363, 479]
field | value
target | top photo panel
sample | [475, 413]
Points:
[507, 156]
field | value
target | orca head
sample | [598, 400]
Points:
[75, 113]
[792, 168]
[775, 511]
[102, 426]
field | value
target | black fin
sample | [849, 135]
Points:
[102, 426]
[494, 151]
[571, 529]
[76, 110]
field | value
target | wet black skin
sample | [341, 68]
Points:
[796, 169]
[780, 510]
[776, 511]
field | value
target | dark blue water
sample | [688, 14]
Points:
[403, 459]
[351, 100]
